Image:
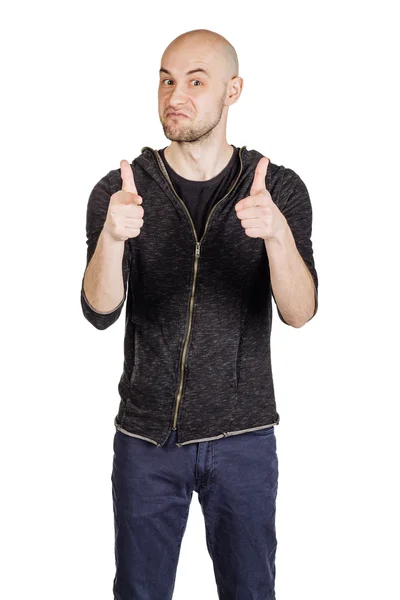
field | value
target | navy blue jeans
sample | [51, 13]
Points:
[236, 478]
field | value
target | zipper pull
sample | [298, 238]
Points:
[197, 248]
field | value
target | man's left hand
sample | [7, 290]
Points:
[260, 216]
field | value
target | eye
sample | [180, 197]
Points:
[197, 80]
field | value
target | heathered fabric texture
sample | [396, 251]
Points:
[214, 308]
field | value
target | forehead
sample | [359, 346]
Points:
[195, 70]
[186, 60]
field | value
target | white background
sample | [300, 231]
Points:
[320, 96]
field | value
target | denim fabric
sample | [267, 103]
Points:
[236, 479]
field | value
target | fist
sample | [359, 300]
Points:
[125, 215]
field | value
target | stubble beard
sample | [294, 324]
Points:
[184, 131]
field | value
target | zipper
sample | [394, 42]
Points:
[196, 260]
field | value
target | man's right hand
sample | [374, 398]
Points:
[125, 215]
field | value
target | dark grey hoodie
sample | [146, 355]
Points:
[199, 312]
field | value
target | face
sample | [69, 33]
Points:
[190, 83]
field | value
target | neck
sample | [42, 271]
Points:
[198, 162]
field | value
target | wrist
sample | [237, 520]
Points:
[282, 237]
[109, 238]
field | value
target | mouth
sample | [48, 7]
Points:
[177, 115]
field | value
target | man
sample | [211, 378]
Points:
[206, 233]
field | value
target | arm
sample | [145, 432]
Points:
[294, 279]
[104, 283]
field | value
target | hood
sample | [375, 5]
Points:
[151, 161]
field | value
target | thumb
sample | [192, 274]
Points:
[259, 176]
[128, 182]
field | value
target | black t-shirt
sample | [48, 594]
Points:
[200, 196]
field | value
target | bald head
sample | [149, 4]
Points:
[213, 45]
[199, 81]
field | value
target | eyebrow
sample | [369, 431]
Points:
[198, 70]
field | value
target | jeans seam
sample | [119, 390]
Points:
[214, 562]
[184, 521]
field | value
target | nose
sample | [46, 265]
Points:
[177, 97]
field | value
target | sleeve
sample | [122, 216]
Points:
[96, 214]
[295, 204]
